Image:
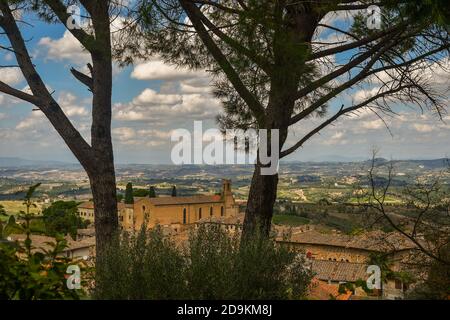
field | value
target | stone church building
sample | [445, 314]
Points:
[176, 212]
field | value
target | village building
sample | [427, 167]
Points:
[176, 212]
[82, 249]
[230, 224]
[337, 258]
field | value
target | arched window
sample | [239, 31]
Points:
[211, 211]
[143, 208]
[199, 213]
[221, 211]
[184, 216]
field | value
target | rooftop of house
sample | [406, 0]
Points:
[234, 220]
[197, 199]
[86, 205]
[371, 241]
[86, 232]
[323, 291]
[39, 242]
[162, 201]
[338, 270]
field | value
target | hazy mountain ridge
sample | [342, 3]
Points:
[17, 162]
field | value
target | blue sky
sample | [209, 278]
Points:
[151, 98]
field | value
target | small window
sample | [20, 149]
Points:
[211, 211]
[199, 213]
[398, 284]
[143, 208]
[221, 211]
[184, 216]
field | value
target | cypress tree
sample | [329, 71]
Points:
[152, 192]
[129, 194]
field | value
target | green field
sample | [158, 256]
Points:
[289, 220]
[15, 206]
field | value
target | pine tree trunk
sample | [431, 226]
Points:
[103, 187]
[102, 175]
[261, 199]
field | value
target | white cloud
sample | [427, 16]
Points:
[373, 125]
[159, 108]
[151, 97]
[158, 70]
[34, 122]
[423, 128]
[68, 103]
[364, 94]
[124, 134]
[196, 85]
[141, 137]
[11, 76]
[65, 48]
[9, 56]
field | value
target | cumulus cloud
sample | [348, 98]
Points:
[34, 122]
[70, 105]
[37, 124]
[373, 124]
[65, 48]
[141, 137]
[151, 97]
[68, 49]
[410, 133]
[158, 70]
[11, 76]
[159, 108]
[424, 128]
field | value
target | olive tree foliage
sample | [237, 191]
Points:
[212, 265]
[272, 70]
[94, 35]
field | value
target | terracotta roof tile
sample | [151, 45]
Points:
[185, 200]
[373, 241]
[86, 205]
[236, 219]
[322, 291]
[41, 242]
[339, 271]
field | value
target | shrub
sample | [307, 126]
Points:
[39, 274]
[214, 265]
[61, 217]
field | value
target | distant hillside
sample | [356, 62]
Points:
[15, 162]
[427, 164]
